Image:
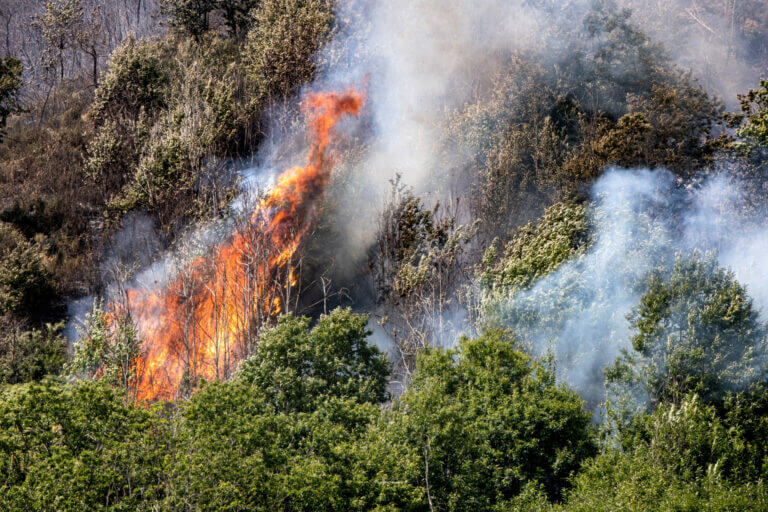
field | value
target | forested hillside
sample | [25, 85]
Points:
[310, 255]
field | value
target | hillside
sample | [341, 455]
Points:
[416, 255]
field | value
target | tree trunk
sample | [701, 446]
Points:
[95, 57]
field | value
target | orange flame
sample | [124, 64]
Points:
[203, 322]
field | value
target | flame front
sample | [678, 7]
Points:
[203, 322]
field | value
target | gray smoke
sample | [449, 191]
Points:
[420, 60]
[707, 38]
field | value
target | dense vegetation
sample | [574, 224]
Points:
[323, 415]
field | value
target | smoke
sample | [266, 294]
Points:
[640, 219]
[421, 60]
[424, 60]
[711, 39]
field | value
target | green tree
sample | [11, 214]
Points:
[296, 367]
[31, 355]
[632, 482]
[754, 113]
[76, 447]
[59, 25]
[108, 349]
[281, 45]
[26, 290]
[136, 82]
[237, 14]
[686, 456]
[10, 82]
[236, 452]
[695, 331]
[696, 440]
[190, 16]
[537, 249]
[475, 428]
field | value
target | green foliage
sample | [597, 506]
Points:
[193, 17]
[418, 267]
[190, 16]
[625, 60]
[107, 349]
[159, 137]
[280, 47]
[536, 250]
[675, 125]
[754, 113]
[136, 82]
[694, 440]
[26, 291]
[474, 428]
[237, 453]
[686, 456]
[537, 132]
[10, 82]
[237, 14]
[632, 482]
[695, 330]
[304, 424]
[59, 25]
[75, 448]
[27, 356]
[296, 367]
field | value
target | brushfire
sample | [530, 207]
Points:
[202, 323]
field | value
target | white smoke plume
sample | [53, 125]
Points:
[420, 60]
[640, 219]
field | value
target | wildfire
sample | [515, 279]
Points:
[202, 323]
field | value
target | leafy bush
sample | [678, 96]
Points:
[26, 291]
[236, 452]
[136, 82]
[536, 249]
[754, 114]
[632, 482]
[74, 448]
[686, 456]
[280, 47]
[107, 349]
[10, 82]
[296, 367]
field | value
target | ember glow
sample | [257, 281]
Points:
[201, 324]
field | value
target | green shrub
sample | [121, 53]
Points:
[296, 367]
[136, 81]
[281, 46]
[74, 448]
[26, 290]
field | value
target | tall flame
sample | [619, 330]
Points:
[203, 322]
